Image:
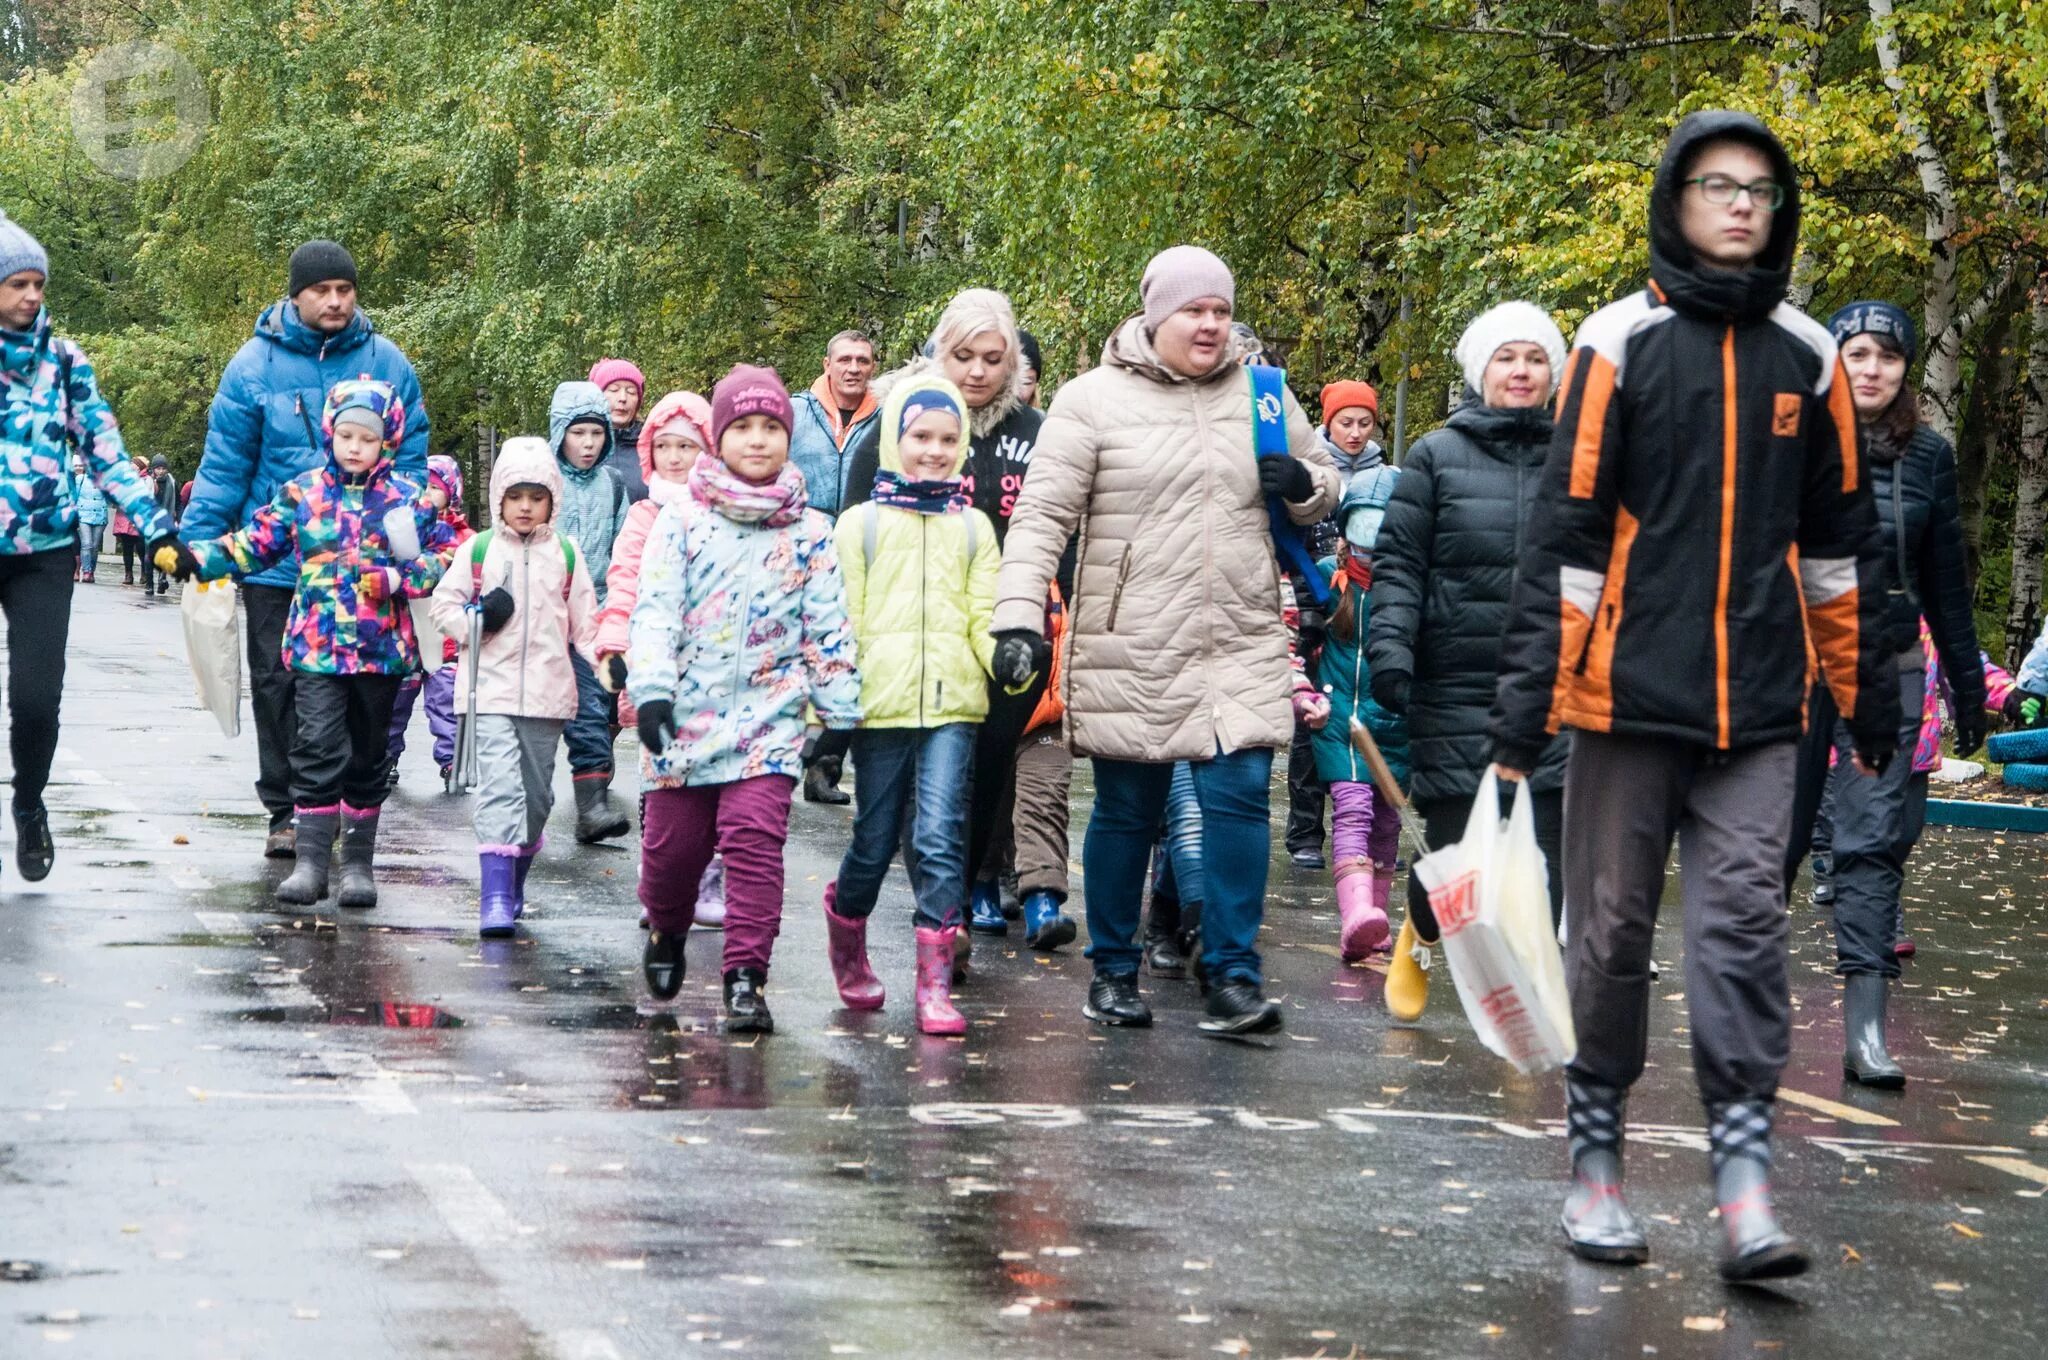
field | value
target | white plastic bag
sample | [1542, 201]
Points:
[1491, 896]
[427, 633]
[213, 644]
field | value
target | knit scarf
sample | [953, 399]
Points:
[774, 504]
[945, 497]
[1358, 572]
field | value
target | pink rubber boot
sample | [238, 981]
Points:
[1363, 922]
[1382, 889]
[847, 947]
[935, 1011]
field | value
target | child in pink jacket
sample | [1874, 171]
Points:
[677, 431]
[534, 594]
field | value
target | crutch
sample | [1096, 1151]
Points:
[464, 775]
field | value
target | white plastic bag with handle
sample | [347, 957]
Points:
[1491, 896]
[213, 644]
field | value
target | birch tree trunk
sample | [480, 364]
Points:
[2030, 461]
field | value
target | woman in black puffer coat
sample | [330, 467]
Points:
[1442, 575]
[1876, 821]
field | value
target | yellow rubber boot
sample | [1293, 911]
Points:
[1407, 982]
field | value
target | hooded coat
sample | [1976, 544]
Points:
[1176, 648]
[920, 604]
[335, 524]
[50, 408]
[1704, 524]
[622, 580]
[263, 428]
[594, 500]
[525, 665]
[823, 449]
[1003, 436]
[1346, 678]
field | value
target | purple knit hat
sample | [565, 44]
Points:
[748, 391]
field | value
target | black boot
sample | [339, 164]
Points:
[1864, 1058]
[746, 1002]
[358, 849]
[821, 782]
[662, 963]
[35, 851]
[1162, 937]
[1113, 1000]
[308, 881]
[1739, 1137]
[1596, 1219]
[596, 817]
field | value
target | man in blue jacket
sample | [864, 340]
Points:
[262, 431]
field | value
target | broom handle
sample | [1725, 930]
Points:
[1389, 787]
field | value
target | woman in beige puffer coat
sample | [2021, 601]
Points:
[1176, 647]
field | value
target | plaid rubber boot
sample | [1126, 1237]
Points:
[1739, 1138]
[1596, 1220]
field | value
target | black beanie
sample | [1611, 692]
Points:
[1028, 342]
[317, 262]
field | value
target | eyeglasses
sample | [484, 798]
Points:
[1764, 193]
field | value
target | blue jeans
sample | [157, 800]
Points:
[1130, 799]
[88, 547]
[888, 762]
[589, 733]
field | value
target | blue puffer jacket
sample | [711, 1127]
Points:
[51, 408]
[264, 428]
[594, 499]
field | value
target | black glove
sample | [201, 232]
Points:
[1314, 629]
[1286, 478]
[1390, 690]
[1020, 655]
[612, 673]
[1970, 727]
[181, 564]
[2023, 707]
[1875, 755]
[497, 609]
[657, 726]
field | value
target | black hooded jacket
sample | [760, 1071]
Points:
[1705, 523]
[1917, 504]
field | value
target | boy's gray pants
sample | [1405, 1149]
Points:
[1625, 798]
[516, 772]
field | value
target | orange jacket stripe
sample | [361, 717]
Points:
[1728, 460]
[1842, 407]
[1596, 375]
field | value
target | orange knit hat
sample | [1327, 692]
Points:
[1340, 395]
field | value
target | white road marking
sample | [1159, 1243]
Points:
[223, 922]
[190, 880]
[2015, 1166]
[1848, 1114]
[378, 1089]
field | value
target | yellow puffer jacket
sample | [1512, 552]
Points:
[919, 591]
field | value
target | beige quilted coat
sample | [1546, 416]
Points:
[1176, 647]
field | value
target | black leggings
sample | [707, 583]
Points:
[1443, 822]
[131, 548]
[35, 595]
[992, 800]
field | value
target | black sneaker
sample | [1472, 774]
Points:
[746, 1004]
[1308, 857]
[34, 850]
[1113, 1000]
[1237, 1007]
[662, 963]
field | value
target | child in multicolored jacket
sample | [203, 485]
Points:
[366, 544]
[590, 513]
[538, 610]
[741, 621]
[444, 496]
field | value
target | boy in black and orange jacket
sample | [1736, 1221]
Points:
[1703, 528]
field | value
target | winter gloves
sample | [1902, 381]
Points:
[657, 726]
[496, 608]
[1390, 690]
[1970, 728]
[1020, 655]
[1311, 707]
[611, 672]
[1286, 478]
[2023, 708]
[173, 558]
[378, 583]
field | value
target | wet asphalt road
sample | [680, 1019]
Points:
[227, 1130]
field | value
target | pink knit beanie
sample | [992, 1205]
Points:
[748, 391]
[1179, 275]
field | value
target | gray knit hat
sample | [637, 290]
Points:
[1179, 275]
[19, 250]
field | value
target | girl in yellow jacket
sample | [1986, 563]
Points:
[920, 566]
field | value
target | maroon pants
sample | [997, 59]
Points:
[745, 823]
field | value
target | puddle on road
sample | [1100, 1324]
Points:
[390, 1015]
